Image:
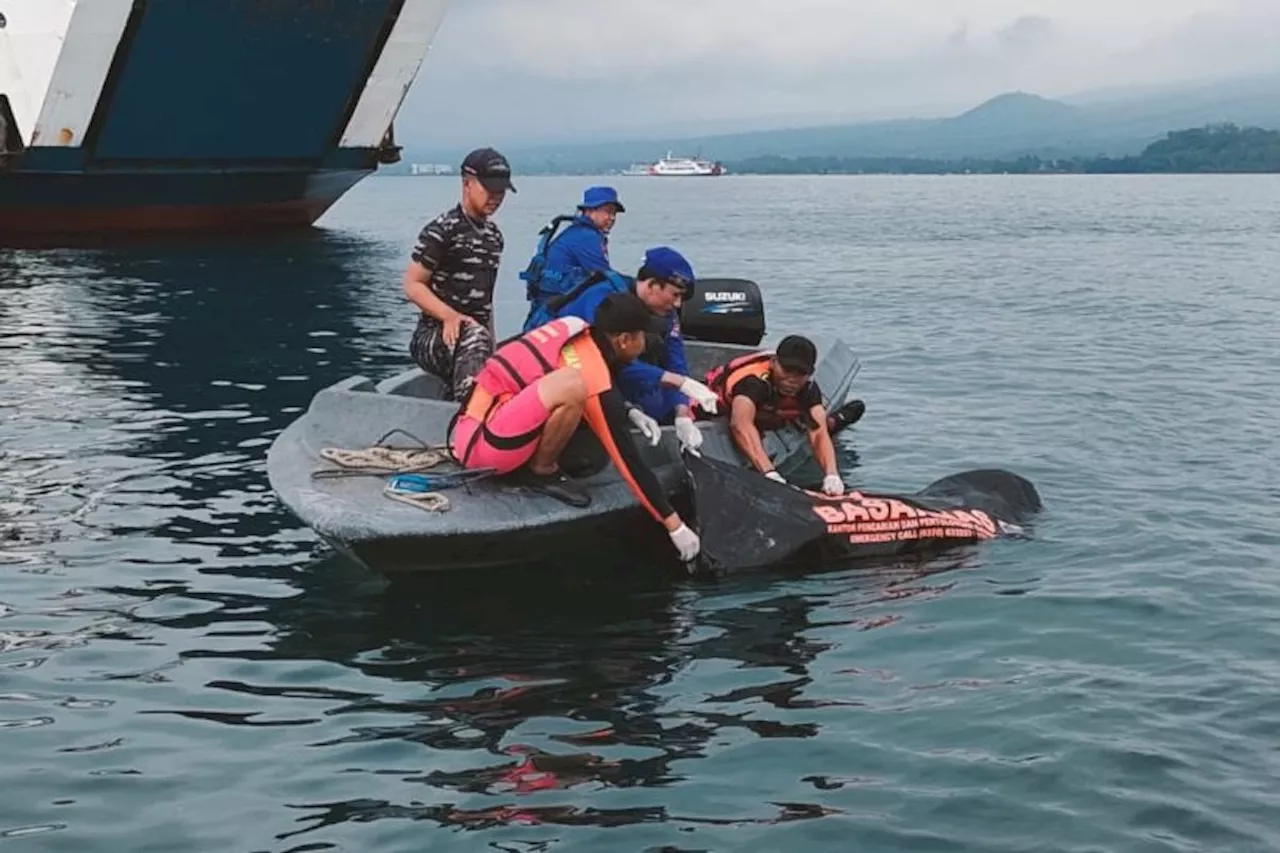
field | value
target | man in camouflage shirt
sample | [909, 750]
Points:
[452, 274]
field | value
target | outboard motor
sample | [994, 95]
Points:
[724, 311]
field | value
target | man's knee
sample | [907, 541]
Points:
[563, 387]
[474, 335]
[575, 387]
[473, 347]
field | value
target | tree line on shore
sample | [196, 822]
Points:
[1220, 148]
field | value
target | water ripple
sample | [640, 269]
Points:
[175, 649]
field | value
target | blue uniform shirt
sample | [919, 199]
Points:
[577, 251]
[641, 382]
[580, 246]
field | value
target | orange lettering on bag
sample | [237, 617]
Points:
[901, 509]
[878, 509]
[855, 512]
[829, 514]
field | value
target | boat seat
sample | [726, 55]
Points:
[413, 382]
[353, 383]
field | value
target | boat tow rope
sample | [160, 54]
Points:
[404, 467]
[423, 499]
[382, 458]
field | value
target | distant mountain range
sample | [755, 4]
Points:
[1010, 125]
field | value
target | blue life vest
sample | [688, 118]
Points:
[542, 283]
[548, 308]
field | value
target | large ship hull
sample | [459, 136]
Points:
[44, 204]
[166, 115]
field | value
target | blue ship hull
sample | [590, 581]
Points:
[212, 116]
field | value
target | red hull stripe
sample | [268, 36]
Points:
[298, 213]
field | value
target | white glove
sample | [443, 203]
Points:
[776, 477]
[688, 433]
[686, 542]
[832, 484]
[648, 426]
[700, 394]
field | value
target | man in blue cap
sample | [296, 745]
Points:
[565, 260]
[657, 381]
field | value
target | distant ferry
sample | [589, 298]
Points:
[672, 166]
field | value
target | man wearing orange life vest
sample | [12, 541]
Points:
[532, 393]
[769, 390]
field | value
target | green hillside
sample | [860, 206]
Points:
[1006, 127]
[1222, 148]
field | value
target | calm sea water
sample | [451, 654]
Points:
[184, 667]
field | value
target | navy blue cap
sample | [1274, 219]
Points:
[595, 197]
[490, 168]
[669, 265]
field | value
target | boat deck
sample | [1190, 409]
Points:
[494, 520]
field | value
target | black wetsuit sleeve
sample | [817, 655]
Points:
[632, 467]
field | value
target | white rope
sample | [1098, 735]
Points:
[430, 501]
[389, 459]
[380, 459]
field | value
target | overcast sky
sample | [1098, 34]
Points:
[514, 70]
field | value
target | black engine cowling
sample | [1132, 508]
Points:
[725, 311]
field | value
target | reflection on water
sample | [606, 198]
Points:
[486, 662]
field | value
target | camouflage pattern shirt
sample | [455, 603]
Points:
[462, 255]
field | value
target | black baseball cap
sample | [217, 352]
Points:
[490, 168]
[797, 354]
[625, 312]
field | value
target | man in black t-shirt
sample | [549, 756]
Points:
[769, 391]
[452, 274]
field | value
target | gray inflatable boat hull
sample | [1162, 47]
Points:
[492, 522]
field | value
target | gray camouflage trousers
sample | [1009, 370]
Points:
[457, 366]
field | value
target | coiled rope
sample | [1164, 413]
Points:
[381, 460]
[384, 460]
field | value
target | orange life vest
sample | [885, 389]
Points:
[524, 360]
[723, 379]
